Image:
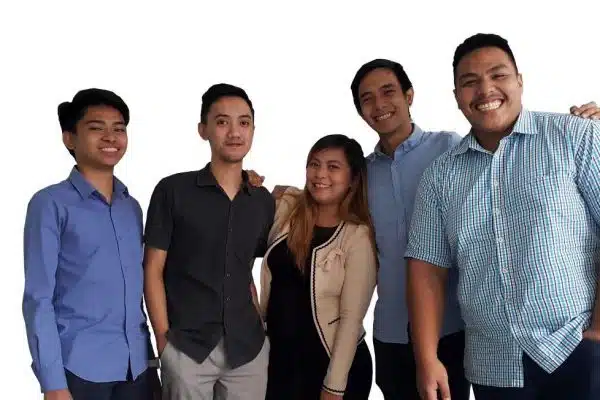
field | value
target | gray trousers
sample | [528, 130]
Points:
[185, 379]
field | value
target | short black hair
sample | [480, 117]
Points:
[395, 67]
[70, 113]
[480, 41]
[215, 92]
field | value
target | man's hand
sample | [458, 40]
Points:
[255, 179]
[62, 394]
[432, 379]
[592, 334]
[589, 111]
[325, 395]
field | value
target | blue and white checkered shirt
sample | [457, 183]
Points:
[522, 225]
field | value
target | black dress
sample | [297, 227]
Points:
[298, 361]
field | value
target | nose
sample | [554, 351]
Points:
[379, 102]
[486, 87]
[321, 172]
[109, 135]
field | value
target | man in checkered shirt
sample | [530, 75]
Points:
[515, 207]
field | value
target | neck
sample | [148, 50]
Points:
[491, 140]
[390, 142]
[101, 179]
[328, 215]
[228, 175]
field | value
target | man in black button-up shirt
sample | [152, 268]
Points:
[204, 229]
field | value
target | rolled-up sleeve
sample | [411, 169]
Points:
[427, 239]
[41, 249]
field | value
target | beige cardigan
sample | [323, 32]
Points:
[342, 281]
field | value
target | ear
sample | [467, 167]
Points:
[520, 80]
[202, 131]
[455, 97]
[410, 96]
[68, 140]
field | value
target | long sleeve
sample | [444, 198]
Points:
[41, 249]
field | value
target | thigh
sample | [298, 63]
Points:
[248, 382]
[395, 371]
[185, 379]
[579, 376]
[360, 377]
[139, 389]
[85, 390]
[496, 393]
[451, 352]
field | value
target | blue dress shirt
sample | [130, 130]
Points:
[392, 186]
[82, 302]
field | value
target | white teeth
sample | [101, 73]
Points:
[109, 149]
[383, 117]
[321, 186]
[489, 106]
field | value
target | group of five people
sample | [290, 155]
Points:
[484, 251]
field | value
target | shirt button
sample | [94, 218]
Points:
[495, 183]
[227, 275]
[496, 212]
[504, 271]
[500, 240]
[227, 298]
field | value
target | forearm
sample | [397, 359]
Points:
[426, 287]
[156, 302]
[44, 343]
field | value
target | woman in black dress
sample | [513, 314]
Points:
[317, 280]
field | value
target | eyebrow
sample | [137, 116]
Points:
[95, 121]
[229, 116]
[474, 75]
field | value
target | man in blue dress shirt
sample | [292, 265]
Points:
[515, 210]
[82, 304]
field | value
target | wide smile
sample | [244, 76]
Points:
[320, 186]
[109, 150]
[489, 106]
[383, 117]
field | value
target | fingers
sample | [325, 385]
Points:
[588, 110]
[444, 388]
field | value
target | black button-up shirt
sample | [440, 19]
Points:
[211, 242]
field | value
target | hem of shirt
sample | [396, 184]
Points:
[428, 259]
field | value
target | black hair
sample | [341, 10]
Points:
[70, 113]
[352, 149]
[215, 92]
[395, 67]
[480, 41]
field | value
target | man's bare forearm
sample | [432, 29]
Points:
[426, 293]
[155, 294]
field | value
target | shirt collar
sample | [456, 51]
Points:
[206, 178]
[410, 143]
[525, 125]
[86, 189]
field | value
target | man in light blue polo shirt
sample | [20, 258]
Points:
[383, 94]
[515, 210]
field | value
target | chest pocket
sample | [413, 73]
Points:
[330, 273]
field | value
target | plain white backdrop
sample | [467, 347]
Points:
[296, 61]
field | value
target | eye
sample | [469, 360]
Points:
[313, 164]
[245, 124]
[389, 92]
[120, 130]
[366, 100]
[333, 166]
[499, 76]
[96, 128]
[469, 83]
[221, 122]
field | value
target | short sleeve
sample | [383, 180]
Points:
[427, 240]
[159, 222]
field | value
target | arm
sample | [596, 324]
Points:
[41, 249]
[426, 289]
[589, 110]
[359, 284]
[159, 228]
[155, 295]
[588, 182]
[429, 257]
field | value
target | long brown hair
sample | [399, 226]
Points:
[354, 207]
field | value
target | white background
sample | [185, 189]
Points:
[296, 62]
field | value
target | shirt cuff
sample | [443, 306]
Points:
[53, 378]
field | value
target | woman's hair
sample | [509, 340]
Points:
[354, 207]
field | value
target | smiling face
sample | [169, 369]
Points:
[100, 137]
[383, 103]
[488, 90]
[229, 129]
[328, 176]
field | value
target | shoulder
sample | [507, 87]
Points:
[558, 124]
[51, 195]
[444, 140]
[178, 178]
